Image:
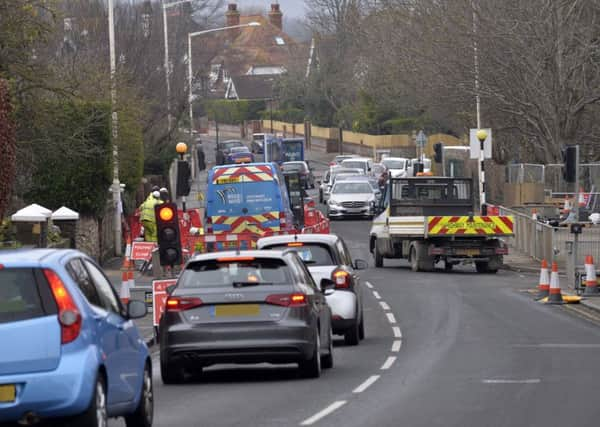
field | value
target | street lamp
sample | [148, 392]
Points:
[190, 71]
[165, 6]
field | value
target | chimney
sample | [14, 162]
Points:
[232, 18]
[275, 16]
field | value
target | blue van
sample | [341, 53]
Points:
[249, 198]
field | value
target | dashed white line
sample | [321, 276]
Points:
[508, 381]
[322, 414]
[397, 332]
[384, 305]
[376, 295]
[369, 285]
[396, 346]
[388, 363]
[390, 317]
[369, 382]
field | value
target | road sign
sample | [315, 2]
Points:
[142, 251]
[476, 144]
[159, 297]
[421, 139]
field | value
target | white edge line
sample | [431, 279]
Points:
[376, 295]
[388, 363]
[391, 317]
[384, 305]
[369, 285]
[505, 381]
[368, 383]
[396, 346]
[397, 332]
[322, 414]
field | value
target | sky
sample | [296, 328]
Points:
[290, 8]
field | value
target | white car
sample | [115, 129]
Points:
[327, 256]
[351, 198]
[329, 179]
[397, 166]
[364, 163]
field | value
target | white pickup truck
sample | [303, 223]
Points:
[431, 219]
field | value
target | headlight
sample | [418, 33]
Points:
[332, 202]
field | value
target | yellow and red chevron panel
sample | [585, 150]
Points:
[470, 225]
[259, 224]
[235, 174]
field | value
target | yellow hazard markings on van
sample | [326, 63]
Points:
[251, 223]
[470, 225]
[235, 174]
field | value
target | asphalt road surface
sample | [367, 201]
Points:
[441, 349]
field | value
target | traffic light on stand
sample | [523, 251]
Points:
[438, 149]
[183, 178]
[569, 157]
[169, 241]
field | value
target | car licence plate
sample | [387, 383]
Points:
[468, 252]
[232, 310]
[8, 393]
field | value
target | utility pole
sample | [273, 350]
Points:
[116, 185]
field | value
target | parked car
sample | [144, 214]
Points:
[69, 347]
[329, 178]
[396, 166]
[223, 149]
[351, 198]
[327, 256]
[303, 169]
[248, 307]
[239, 155]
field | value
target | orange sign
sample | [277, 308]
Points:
[142, 251]
[159, 297]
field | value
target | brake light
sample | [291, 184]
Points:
[341, 279]
[235, 258]
[287, 300]
[295, 244]
[502, 250]
[182, 303]
[68, 314]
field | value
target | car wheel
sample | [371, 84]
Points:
[144, 413]
[311, 368]
[361, 327]
[377, 255]
[327, 360]
[96, 414]
[352, 335]
[170, 373]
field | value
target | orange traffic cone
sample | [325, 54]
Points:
[534, 217]
[127, 264]
[124, 292]
[555, 296]
[131, 279]
[581, 198]
[544, 283]
[591, 284]
[567, 206]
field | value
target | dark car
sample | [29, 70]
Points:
[301, 168]
[246, 307]
[239, 155]
[223, 149]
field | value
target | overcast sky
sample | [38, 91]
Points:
[290, 8]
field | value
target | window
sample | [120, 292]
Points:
[108, 297]
[302, 272]
[19, 295]
[310, 253]
[80, 275]
[344, 253]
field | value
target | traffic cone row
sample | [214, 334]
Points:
[591, 283]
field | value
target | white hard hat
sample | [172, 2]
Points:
[164, 190]
[156, 194]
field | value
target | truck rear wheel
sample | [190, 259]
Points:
[420, 259]
[377, 255]
[490, 266]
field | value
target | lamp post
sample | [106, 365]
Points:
[181, 149]
[166, 6]
[190, 76]
[482, 136]
[116, 185]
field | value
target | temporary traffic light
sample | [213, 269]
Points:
[569, 156]
[183, 178]
[169, 241]
[417, 167]
[438, 149]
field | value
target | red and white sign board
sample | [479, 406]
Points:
[142, 251]
[159, 297]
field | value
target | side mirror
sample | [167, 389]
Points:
[136, 309]
[360, 264]
[327, 286]
[170, 289]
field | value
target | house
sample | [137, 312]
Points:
[244, 63]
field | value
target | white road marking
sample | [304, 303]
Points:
[557, 345]
[369, 285]
[396, 346]
[388, 363]
[369, 382]
[322, 414]
[376, 295]
[508, 381]
[384, 305]
[391, 317]
[397, 332]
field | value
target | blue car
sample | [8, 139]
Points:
[69, 350]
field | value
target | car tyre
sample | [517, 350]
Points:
[352, 335]
[96, 415]
[377, 255]
[144, 413]
[311, 368]
[327, 360]
[170, 373]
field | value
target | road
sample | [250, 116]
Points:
[447, 349]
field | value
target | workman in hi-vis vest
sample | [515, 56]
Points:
[147, 216]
